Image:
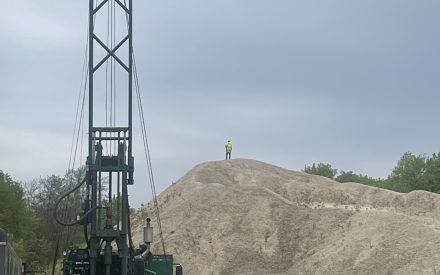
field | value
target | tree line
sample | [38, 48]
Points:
[412, 172]
[26, 213]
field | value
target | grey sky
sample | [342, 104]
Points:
[351, 83]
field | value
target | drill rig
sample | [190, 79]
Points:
[110, 168]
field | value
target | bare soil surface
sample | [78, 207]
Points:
[244, 216]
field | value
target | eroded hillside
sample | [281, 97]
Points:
[248, 217]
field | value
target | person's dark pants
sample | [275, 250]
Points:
[228, 154]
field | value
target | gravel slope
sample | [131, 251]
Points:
[244, 216]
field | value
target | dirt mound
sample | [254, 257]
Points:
[248, 217]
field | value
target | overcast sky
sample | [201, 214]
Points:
[351, 83]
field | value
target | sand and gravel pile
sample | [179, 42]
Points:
[248, 217]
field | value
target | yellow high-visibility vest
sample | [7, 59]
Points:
[228, 146]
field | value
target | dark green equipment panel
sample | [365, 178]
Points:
[161, 264]
[76, 262]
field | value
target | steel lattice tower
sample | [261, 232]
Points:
[100, 165]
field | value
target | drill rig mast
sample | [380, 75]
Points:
[110, 167]
[120, 165]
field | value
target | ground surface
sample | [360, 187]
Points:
[248, 217]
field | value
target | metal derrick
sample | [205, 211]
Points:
[110, 165]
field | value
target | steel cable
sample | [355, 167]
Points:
[147, 155]
[145, 143]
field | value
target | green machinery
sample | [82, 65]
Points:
[110, 167]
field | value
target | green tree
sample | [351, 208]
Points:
[13, 211]
[41, 196]
[21, 223]
[431, 177]
[321, 169]
[350, 176]
[43, 201]
[409, 173]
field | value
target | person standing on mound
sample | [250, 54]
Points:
[228, 147]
